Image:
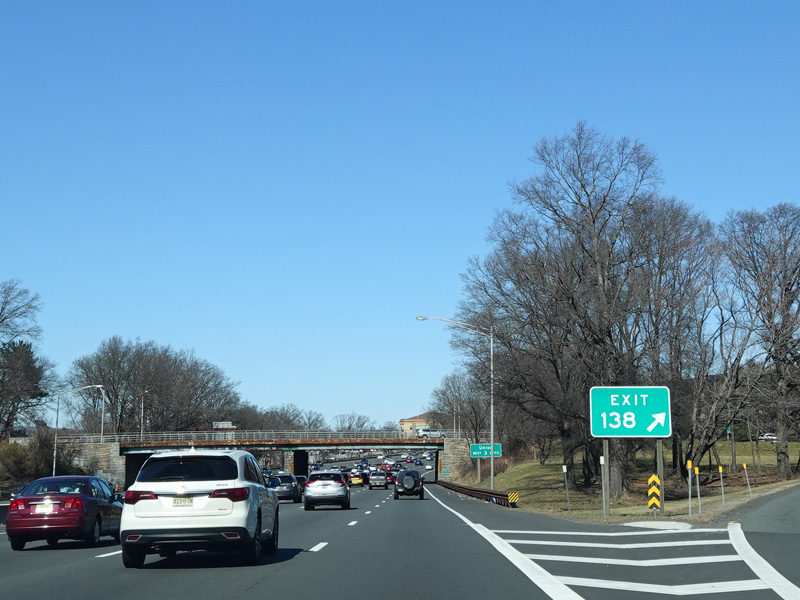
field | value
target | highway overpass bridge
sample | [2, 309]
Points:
[118, 457]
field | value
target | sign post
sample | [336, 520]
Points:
[631, 412]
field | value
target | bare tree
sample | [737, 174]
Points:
[352, 422]
[764, 251]
[19, 309]
[465, 400]
[312, 420]
[556, 289]
[175, 390]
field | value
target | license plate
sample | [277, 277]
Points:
[44, 509]
[182, 501]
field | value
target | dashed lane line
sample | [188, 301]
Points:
[318, 547]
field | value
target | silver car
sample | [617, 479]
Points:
[327, 487]
[378, 479]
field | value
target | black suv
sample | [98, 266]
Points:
[408, 483]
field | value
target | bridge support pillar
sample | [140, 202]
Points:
[296, 461]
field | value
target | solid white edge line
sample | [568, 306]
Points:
[549, 584]
[318, 547]
[779, 584]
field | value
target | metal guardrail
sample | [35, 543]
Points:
[495, 497]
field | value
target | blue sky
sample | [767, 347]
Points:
[282, 187]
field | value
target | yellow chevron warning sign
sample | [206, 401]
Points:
[654, 492]
[513, 498]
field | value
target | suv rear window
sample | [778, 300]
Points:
[324, 477]
[285, 478]
[207, 468]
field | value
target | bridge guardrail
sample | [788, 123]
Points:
[216, 435]
[496, 497]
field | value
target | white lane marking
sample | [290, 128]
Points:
[369, 512]
[351, 523]
[655, 562]
[779, 584]
[659, 525]
[109, 554]
[318, 547]
[549, 584]
[612, 534]
[676, 544]
[672, 590]
[377, 506]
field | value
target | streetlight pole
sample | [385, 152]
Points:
[142, 429]
[488, 332]
[58, 409]
[102, 409]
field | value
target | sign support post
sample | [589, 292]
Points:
[630, 412]
[660, 471]
[605, 472]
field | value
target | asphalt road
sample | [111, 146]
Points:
[449, 547]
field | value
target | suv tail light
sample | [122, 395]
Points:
[133, 496]
[232, 494]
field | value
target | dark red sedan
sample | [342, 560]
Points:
[65, 507]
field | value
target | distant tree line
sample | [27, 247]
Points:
[145, 385]
[594, 278]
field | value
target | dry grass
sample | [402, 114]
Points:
[541, 487]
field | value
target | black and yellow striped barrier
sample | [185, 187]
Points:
[654, 493]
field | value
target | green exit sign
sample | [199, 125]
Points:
[485, 451]
[630, 412]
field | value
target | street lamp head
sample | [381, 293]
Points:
[422, 318]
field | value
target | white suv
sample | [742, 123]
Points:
[428, 432]
[199, 500]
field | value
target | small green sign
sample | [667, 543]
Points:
[630, 412]
[483, 450]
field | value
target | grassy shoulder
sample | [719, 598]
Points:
[541, 489]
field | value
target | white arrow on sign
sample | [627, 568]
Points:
[658, 419]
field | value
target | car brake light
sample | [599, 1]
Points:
[73, 503]
[16, 504]
[232, 494]
[133, 496]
